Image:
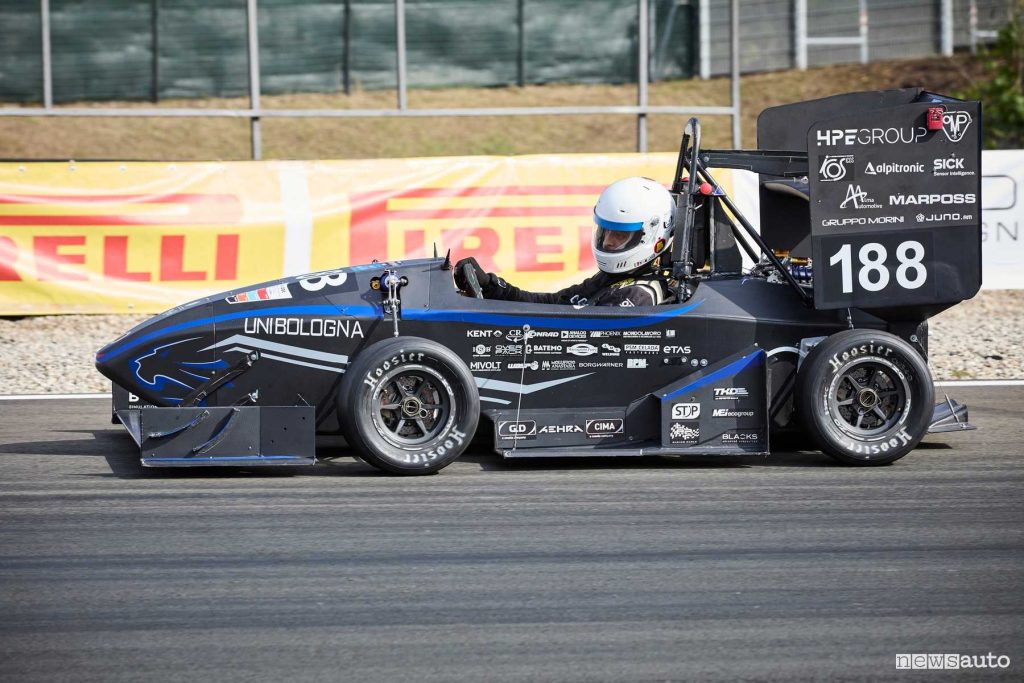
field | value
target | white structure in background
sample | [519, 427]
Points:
[1002, 215]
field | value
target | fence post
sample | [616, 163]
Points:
[400, 52]
[863, 31]
[254, 79]
[44, 17]
[800, 33]
[946, 21]
[704, 31]
[521, 52]
[641, 74]
[346, 73]
[154, 27]
[734, 76]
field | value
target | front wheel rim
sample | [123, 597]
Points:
[412, 406]
[868, 398]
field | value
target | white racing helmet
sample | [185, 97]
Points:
[634, 224]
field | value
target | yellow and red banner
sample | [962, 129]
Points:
[142, 237]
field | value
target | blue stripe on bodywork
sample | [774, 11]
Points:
[440, 315]
[728, 371]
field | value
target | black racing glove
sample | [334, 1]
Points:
[482, 276]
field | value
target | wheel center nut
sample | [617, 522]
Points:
[410, 407]
[867, 398]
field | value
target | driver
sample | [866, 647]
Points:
[633, 217]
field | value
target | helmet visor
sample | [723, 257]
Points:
[613, 237]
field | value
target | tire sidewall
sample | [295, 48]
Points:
[823, 369]
[367, 376]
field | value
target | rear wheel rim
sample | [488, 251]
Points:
[868, 397]
[412, 406]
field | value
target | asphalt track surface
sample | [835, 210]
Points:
[786, 568]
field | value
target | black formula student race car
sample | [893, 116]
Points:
[870, 223]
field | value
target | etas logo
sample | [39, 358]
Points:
[685, 411]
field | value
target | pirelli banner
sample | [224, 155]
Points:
[142, 237]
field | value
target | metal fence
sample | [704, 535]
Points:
[777, 34]
[255, 112]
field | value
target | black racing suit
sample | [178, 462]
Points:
[642, 287]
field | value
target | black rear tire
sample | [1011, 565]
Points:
[865, 396]
[408, 406]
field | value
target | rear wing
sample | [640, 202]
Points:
[893, 217]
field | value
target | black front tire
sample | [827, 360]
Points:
[408, 405]
[865, 396]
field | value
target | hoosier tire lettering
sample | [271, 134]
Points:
[865, 396]
[408, 405]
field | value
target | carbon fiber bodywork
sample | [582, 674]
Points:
[553, 379]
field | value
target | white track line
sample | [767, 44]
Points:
[949, 383]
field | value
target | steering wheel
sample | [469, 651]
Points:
[469, 273]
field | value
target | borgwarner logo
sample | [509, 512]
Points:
[955, 124]
[835, 168]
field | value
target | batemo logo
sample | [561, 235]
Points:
[730, 393]
[484, 366]
[681, 432]
[915, 199]
[581, 349]
[597, 429]
[526, 429]
[870, 136]
[858, 199]
[685, 411]
[887, 169]
[834, 168]
[955, 124]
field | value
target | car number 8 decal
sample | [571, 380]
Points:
[874, 274]
[317, 281]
